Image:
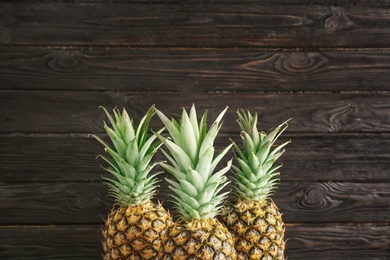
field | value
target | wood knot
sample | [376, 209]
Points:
[314, 197]
[337, 20]
[64, 61]
[293, 63]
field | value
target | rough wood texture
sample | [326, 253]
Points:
[87, 203]
[323, 242]
[194, 25]
[338, 242]
[61, 112]
[324, 64]
[198, 70]
[64, 158]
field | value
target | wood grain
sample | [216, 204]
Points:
[195, 70]
[338, 242]
[194, 25]
[78, 112]
[53, 203]
[51, 242]
[322, 242]
[323, 64]
[87, 203]
[334, 202]
[71, 158]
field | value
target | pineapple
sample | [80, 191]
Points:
[254, 220]
[197, 190]
[135, 225]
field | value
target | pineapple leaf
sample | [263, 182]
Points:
[196, 179]
[194, 122]
[212, 133]
[253, 161]
[204, 164]
[218, 158]
[181, 158]
[238, 153]
[143, 125]
[112, 163]
[189, 188]
[132, 153]
[248, 143]
[263, 152]
[112, 121]
[217, 177]
[188, 138]
[191, 153]
[128, 132]
[172, 128]
[170, 159]
[145, 147]
[119, 144]
[174, 171]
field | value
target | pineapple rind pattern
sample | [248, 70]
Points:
[197, 190]
[135, 232]
[257, 229]
[198, 240]
[135, 224]
[254, 220]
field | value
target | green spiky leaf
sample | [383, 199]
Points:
[256, 176]
[191, 155]
[131, 155]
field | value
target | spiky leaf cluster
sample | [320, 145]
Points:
[256, 174]
[190, 151]
[130, 158]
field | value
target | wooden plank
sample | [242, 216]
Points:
[209, 2]
[337, 241]
[338, 157]
[332, 202]
[50, 242]
[87, 203]
[53, 203]
[323, 242]
[64, 158]
[194, 25]
[78, 112]
[198, 70]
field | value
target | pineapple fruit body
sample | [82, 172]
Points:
[133, 229]
[254, 220]
[197, 190]
[198, 240]
[134, 232]
[257, 229]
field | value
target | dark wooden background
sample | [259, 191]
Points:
[326, 65]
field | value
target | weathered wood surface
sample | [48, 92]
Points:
[87, 203]
[194, 25]
[336, 241]
[51, 242]
[324, 64]
[322, 242]
[197, 70]
[71, 158]
[78, 112]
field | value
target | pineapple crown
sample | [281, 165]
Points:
[191, 155]
[130, 158]
[256, 175]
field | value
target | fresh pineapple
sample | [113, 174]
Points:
[254, 220]
[197, 189]
[134, 227]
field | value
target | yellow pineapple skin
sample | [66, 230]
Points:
[257, 229]
[134, 232]
[198, 240]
